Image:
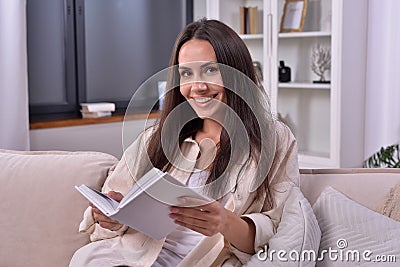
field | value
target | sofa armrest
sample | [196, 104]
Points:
[41, 209]
[369, 187]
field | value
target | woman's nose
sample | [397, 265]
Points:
[199, 86]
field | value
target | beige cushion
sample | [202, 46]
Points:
[351, 229]
[40, 208]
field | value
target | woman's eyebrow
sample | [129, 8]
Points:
[208, 64]
[183, 67]
[186, 65]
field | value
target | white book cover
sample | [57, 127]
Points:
[98, 114]
[146, 207]
[95, 107]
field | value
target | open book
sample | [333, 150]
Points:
[146, 206]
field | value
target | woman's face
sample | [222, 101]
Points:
[201, 80]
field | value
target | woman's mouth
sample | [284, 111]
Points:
[204, 99]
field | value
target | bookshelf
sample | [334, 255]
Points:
[327, 119]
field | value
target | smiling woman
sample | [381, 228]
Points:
[216, 133]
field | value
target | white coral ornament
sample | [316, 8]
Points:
[321, 61]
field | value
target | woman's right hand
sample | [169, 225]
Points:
[103, 220]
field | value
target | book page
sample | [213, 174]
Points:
[104, 203]
[168, 190]
[146, 207]
[141, 185]
[162, 187]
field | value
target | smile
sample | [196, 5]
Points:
[203, 99]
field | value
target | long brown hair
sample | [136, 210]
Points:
[232, 52]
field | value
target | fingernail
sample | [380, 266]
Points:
[174, 210]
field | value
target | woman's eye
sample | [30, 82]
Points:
[211, 69]
[185, 73]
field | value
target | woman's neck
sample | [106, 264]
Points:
[211, 130]
[208, 139]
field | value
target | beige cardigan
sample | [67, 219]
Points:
[129, 247]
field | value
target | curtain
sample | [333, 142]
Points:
[382, 103]
[14, 118]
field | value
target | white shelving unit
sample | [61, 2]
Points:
[251, 36]
[304, 34]
[327, 119]
[304, 85]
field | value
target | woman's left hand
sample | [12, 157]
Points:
[208, 219]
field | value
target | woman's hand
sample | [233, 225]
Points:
[213, 218]
[208, 219]
[103, 220]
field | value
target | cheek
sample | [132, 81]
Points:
[224, 99]
[221, 91]
[185, 90]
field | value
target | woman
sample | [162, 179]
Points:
[215, 130]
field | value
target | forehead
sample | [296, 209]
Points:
[196, 50]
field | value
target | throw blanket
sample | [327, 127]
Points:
[391, 206]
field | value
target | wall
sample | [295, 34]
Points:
[105, 137]
[14, 126]
[199, 9]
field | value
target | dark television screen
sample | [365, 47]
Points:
[97, 50]
[125, 43]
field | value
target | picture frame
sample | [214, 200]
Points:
[294, 13]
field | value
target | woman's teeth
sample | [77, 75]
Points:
[204, 99]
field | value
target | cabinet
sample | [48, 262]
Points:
[327, 119]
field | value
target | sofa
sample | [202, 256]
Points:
[41, 210]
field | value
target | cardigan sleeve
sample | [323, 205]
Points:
[283, 176]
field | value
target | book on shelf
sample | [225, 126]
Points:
[243, 19]
[253, 20]
[248, 20]
[146, 206]
[96, 107]
[96, 114]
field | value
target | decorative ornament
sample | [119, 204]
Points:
[321, 62]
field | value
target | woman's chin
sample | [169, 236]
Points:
[215, 115]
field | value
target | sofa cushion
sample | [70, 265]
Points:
[349, 227]
[297, 232]
[40, 208]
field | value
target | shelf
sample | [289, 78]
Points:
[251, 36]
[305, 85]
[304, 34]
[55, 123]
